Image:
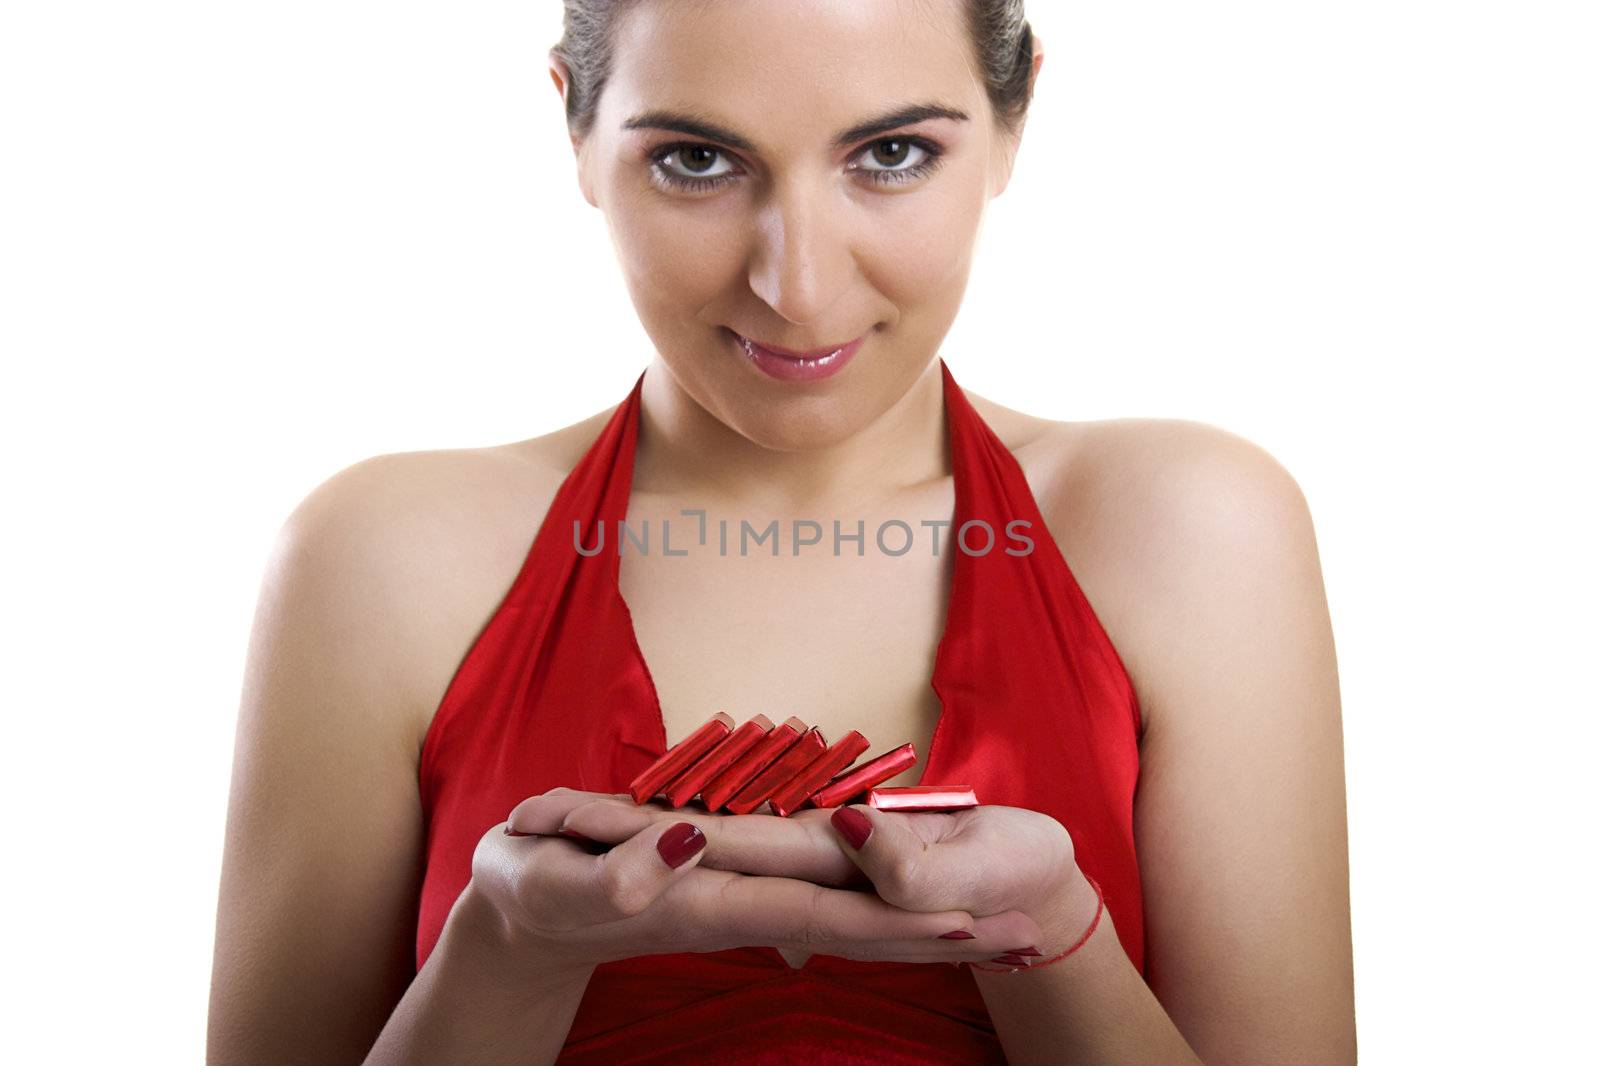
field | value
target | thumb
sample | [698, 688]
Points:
[896, 859]
[633, 874]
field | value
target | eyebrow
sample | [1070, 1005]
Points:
[696, 126]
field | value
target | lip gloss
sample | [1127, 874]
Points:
[852, 783]
[793, 366]
[680, 757]
[726, 785]
[816, 773]
[799, 755]
[717, 760]
[923, 798]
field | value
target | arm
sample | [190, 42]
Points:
[316, 920]
[1239, 817]
[1090, 1007]
[463, 1008]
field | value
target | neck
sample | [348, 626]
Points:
[684, 449]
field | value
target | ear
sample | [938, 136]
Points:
[561, 76]
[1014, 142]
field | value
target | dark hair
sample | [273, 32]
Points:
[1001, 37]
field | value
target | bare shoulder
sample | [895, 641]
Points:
[1158, 515]
[1180, 476]
[377, 584]
[1197, 550]
[417, 549]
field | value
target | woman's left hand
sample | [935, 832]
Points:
[981, 859]
[1014, 866]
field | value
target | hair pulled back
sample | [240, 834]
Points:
[1001, 37]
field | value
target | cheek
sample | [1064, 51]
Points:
[674, 258]
[915, 247]
[919, 254]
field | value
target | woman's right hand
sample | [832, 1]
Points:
[573, 908]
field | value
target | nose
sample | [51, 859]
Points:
[801, 262]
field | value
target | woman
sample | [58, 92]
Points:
[431, 854]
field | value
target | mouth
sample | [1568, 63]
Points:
[786, 364]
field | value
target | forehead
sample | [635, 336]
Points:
[790, 70]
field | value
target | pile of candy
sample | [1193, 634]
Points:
[787, 766]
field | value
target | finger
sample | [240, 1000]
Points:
[631, 876]
[1007, 931]
[542, 814]
[549, 878]
[800, 846]
[607, 821]
[983, 939]
[905, 867]
[786, 912]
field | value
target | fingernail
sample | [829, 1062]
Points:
[1025, 951]
[510, 832]
[573, 833]
[853, 824]
[1010, 960]
[680, 843]
[957, 934]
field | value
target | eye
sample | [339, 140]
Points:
[898, 148]
[692, 166]
[697, 159]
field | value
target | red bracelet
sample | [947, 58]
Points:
[1099, 910]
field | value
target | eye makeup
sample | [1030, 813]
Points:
[928, 153]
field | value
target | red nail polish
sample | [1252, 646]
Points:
[1010, 960]
[678, 758]
[853, 824]
[957, 934]
[510, 832]
[680, 843]
[1025, 951]
[574, 834]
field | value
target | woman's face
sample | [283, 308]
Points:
[771, 228]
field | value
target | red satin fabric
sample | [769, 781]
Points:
[1037, 712]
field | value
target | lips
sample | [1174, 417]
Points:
[787, 364]
[814, 355]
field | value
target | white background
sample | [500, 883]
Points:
[243, 246]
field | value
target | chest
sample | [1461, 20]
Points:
[842, 641]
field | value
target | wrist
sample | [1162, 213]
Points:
[1068, 919]
[1067, 913]
[478, 937]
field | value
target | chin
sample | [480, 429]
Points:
[796, 424]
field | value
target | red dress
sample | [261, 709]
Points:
[1037, 712]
